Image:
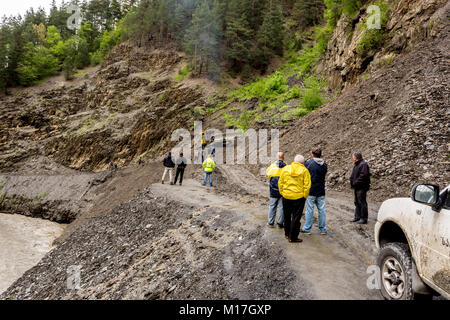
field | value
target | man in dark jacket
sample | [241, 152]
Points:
[317, 169]
[181, 165]
[168, 167]
[273, 172]
[360, 182]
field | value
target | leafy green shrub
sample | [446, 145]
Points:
[310, 57]
[265, 89]
[106, 42]
[323, 35]
[183, 73]
[197, 112]
[312, 99]
[294, 93]
[373, 39]
[37, 63]
[243, 122]
[335, 8]
[312, 96]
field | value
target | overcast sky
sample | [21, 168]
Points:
[15, 7]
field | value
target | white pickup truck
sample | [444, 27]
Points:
[413, 238]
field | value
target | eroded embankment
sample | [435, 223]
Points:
[43, 189]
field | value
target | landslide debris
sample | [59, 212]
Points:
[156, 248]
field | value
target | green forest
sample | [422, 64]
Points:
[240, 36]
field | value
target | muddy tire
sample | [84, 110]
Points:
[395, 263]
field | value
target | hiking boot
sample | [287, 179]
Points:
[171, 183]
[180, 183]
[280, 226]
[305, 232]
[354, 220]
[270, 225]
[362, 221]
[295, 241]
[324, 233]
[162, 182]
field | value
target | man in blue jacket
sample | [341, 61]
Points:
[318, 169]
[273, 172]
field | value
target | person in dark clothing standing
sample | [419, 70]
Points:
[181, 165]
[360, 182]
[318, 170]
[168, 167]
[273, 172]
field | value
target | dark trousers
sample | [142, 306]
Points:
[361, 210]
[180, 172]
[292, 210]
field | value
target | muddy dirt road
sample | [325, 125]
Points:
[328, 267]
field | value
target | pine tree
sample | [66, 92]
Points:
[127, 6]
[82, 58]
[69, 67]
[270, 36]
[4, 56]
[116, 11]
[238, 35]
[308, 12]
[53, 16]
[201, 41]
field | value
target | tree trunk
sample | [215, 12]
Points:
[195, 59]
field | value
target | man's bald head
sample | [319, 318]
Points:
[280, 155]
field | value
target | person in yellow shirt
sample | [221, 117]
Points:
[294, 184]
[208, 167]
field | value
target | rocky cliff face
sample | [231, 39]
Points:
[409, 23]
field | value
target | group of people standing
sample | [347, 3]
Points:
[181, 163]
[303, 183]
[169, 165]
[292, 187]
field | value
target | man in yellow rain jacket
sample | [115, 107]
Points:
[294, 185]
[208, 166]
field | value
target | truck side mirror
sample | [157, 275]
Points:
[425, 193]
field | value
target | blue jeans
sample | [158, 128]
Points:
[210, 178]
[320, 203]
[273, 204]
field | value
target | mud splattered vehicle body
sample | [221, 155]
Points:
[413, 238]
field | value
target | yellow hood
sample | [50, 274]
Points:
[295, 181]
[296, 169]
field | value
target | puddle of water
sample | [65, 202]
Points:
[23, 243]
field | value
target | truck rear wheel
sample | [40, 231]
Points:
[395, 263]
